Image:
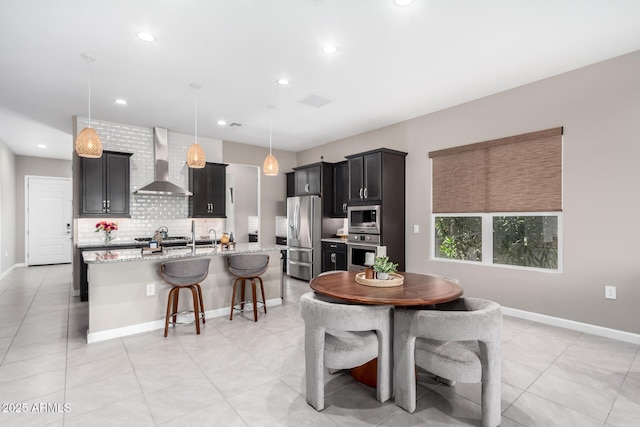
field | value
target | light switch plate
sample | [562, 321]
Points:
[151, 289]
[416, 228]
[610, 292]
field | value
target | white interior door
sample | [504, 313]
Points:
[48, 220]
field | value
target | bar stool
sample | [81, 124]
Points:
[247, 267]
[184, 274]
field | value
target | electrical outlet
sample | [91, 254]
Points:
[151, 289]
[610, 292]
[416, 228]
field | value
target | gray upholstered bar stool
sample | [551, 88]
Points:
[184, 274]
[247, 267]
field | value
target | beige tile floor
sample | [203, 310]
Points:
[243, 373]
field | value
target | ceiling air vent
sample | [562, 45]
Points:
[236, 124]
[313, 100]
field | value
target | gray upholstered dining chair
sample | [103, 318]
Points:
[457, 341]
[342, 336]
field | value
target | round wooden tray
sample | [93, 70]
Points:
[394, 280]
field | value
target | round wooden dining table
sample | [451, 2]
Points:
[416, 290]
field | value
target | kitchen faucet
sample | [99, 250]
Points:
[214, 242]
[193, 236]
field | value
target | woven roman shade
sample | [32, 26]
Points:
[520, 173]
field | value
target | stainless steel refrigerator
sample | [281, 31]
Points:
[304, 221]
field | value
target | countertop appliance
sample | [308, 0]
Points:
[304, 221]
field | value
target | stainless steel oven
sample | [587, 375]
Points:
[364, 219]
[358, 246]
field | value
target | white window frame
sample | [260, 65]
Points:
[487, 240]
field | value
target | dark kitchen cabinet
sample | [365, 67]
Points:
[365, 178]
[340, 189]
[208, 186]
[377, 177]
[291, 184]
[308, 180]
[334, 256]
[104, 185]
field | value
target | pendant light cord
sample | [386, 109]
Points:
[196, 133]
[269, 137]
[89, 106]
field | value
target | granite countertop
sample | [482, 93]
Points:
[128, 255]
[334, 240]
[132, 243]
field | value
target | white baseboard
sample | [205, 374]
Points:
[10, 269]
[573, 325]
[159, 324]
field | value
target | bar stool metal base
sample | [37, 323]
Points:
[254, 302]
[172, 307]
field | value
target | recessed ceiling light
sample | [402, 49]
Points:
[42, 146]
[329, 48]
[121, 101]
[147, 37]
[283, 82]
[403, 3]
[222, 123]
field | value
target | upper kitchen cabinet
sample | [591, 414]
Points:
[104, 185]
[208, 188]
[373, 172]
[307, 180]
[314, 179]
[340, 189]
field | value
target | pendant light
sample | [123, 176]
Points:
[195, 155]
[88, 142]
[270, 165]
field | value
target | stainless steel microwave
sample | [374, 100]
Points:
[364, 219]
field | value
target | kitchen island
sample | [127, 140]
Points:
[129, 296]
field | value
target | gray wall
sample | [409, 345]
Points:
[35, 166]
[7, 208]
[273, 194]
[245, 199]
[599, 108]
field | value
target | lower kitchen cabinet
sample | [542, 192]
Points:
[334, 256]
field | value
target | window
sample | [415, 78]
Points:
[459, 237]
[500, 202]
[526, 241]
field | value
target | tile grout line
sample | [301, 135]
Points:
[622, 385]
[541, 373]
[21, 322]
[66, 357]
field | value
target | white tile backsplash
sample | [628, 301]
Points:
[281, 226]
[148, 212]
[254, 224]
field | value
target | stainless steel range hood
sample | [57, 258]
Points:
[161, 186]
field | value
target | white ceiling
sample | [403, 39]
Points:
[393, 63]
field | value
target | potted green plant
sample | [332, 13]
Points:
[382, 266]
